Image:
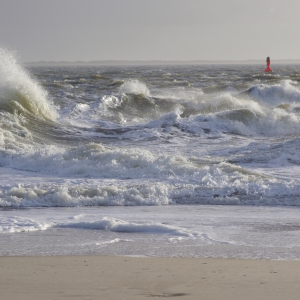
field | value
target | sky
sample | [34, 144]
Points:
[72, 30]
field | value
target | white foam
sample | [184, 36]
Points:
[117, 240]
[116, 225]
[15, 224]
[183, 182]
[82, 195]
[111, 101]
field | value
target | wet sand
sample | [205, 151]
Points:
[107, 277]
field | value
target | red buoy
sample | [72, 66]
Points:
[268, 69]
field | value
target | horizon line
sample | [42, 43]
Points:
[158, 61]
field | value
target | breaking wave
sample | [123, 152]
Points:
[19, 92]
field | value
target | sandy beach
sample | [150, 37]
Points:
[103, 277]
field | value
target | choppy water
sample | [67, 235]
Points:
[148, 135]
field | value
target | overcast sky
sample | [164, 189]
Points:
[150, 29]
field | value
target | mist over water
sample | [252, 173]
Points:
[155, 135]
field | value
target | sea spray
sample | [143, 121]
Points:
[19, 92]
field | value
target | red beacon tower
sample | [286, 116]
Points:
[268, 69]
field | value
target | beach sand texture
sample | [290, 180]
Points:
[103, 277]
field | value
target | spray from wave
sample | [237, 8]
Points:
[134, 86]
[19, 92]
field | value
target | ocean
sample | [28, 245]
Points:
[187, 160]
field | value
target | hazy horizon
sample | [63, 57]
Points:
[159, 62]
[144, 30]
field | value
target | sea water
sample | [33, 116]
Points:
[195, 160]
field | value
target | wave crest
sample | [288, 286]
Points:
[134, 86]
[19, 92]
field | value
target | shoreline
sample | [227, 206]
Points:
[121, 277]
